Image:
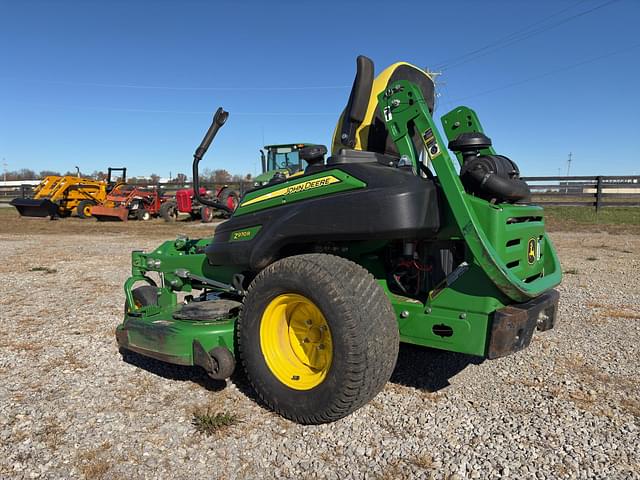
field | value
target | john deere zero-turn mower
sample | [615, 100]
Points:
[314, 281]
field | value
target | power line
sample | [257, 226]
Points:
[186, 112]
[294, 114]
[546, 74]
[187, 88]
[506, 37]
[518, 36]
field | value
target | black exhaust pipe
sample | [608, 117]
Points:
[218, 121]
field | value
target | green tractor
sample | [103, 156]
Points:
[281, 160]
[316, 278]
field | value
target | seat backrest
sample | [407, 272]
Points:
[356, 109]
[371, 133]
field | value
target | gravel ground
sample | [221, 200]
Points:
[72, 407]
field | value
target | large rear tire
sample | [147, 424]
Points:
[206, 214]
[229, 198]
[317, 337]
[169, 211]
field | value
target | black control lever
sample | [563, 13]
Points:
[219, 118]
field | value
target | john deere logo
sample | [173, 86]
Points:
[531, 251]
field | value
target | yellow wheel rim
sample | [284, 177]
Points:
[87, 211]
[296, 341]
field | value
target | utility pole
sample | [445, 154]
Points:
[4, 168]
[569, 163]
[437, 83]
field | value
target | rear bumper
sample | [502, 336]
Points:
[512, 327]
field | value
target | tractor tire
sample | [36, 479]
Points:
[143, 214]
[143, 296]
[317, 337]
[169, 211]
[206, 214]
[229, 198]
[83, 209]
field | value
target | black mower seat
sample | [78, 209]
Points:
[361, 125]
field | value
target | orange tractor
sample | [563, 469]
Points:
[128, 202]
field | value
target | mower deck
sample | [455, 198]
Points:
[171, 333]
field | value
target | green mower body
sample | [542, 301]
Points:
[459, 272]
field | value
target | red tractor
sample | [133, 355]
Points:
[185, 202]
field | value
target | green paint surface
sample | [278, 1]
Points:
[297, 189]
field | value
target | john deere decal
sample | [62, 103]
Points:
[297, 188]
[532, 248]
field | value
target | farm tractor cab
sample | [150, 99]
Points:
[316, 278]
[284, 160]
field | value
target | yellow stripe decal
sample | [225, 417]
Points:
[296, 188]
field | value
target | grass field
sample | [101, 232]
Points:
[71, 406]
[612, 219]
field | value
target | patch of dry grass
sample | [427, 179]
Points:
[23, 346]
[423, 461]
[51, 432]
[597, 391]
[43, 269]
[92, 463]
[618, 313]
[396, 470]
[71, 359]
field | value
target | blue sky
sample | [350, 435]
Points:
[134, 83]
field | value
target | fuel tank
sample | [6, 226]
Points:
[348, 199]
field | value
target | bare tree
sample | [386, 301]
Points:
[47, 173]
[221, 176]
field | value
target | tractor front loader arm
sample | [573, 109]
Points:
[404, 109]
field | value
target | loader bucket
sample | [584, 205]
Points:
[29, 207]
[106, 214]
